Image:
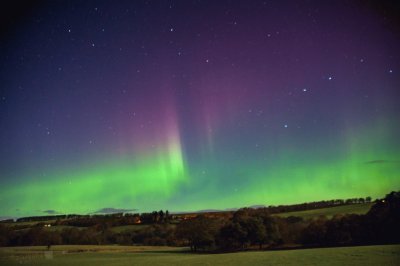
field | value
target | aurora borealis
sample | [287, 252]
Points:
[189, 105]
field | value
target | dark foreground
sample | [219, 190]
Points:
[138, 255]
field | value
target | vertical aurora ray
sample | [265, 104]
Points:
[124, 182]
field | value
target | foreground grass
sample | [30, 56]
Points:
[330, 212]
[120, 255]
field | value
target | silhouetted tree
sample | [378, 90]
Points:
[255, 228]
[167, 216]
[384, 219]
[289, 229]
[315, 232]
[161, 216]
[200, 232]
[232, 236]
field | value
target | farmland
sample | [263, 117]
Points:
[330, 212]
[139, 255]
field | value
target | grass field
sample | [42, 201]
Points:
[387, 255]
[330, 212]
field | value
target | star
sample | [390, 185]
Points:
[207, 60]
[390, 71]
[171, 29]
[304, 90]
[285, 125]
[330, 78]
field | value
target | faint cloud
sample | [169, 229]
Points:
[113, 210]
[382, 161]
[50, 212]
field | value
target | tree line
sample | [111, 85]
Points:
[245, 228]
[251, 228]
[161, 216]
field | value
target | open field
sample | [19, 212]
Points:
[330, 212]
[387, 255]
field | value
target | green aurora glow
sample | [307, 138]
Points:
[154, 181]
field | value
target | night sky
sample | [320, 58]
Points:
[189, 105]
